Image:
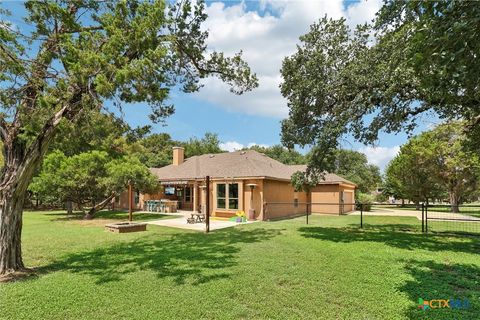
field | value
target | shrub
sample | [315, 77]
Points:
[366, 200]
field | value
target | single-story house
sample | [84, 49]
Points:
[243, 180]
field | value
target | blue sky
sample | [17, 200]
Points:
[266, 31]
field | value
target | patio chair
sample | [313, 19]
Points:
[190, 220]
[201, 217]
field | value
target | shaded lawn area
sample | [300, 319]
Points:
[329, 269]
[105, 216]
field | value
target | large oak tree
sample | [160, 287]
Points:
[79, 54]
[417, 58]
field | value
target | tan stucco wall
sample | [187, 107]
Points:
[280, 197]
[325, 199]
[267, 191]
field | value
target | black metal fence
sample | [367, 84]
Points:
[285, 210]
[463, 219]
[420, 217]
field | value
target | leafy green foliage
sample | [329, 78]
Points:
[433, 164]
[281, 154]
[93, 131]
[208, 144]
[366, 200]
[88, 177]
[354, 166]
[340, 83]
[120, 172]
[155, 150]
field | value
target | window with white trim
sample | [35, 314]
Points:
[227, 196]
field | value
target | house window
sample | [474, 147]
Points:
[188, 194]
[233, 196]
[221, 195]
[227, 194]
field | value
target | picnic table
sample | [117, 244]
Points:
[196, 218]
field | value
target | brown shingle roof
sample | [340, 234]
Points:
[236, 164]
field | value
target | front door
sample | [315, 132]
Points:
[185, 197]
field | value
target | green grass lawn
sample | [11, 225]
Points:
[468, 209]
[329, 269]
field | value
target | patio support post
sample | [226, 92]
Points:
[130, 201]
[207, 204]
[195, 196]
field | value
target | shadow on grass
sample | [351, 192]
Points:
[193, 258]
[403, 236]
[432, 280]
[110, 215]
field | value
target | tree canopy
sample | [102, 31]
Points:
[75, 56]
[281, 154]
[89, 178]
[433, 165]
[354, 166]
[417, 57]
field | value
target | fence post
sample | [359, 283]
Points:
[361, 215]
[307, 213]
[423, 217]
[426, 218]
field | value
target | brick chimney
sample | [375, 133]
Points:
[178, 155]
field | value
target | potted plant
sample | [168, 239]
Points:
[241, 217]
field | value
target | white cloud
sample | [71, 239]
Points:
[380, 156]
[231, 146]
[265, 40]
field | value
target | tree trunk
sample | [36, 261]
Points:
[454, 199]
[15, 178]
[69, 206]
[11, 231]
[17, 173]
[98, 207]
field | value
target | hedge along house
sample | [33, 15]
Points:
[244, 180]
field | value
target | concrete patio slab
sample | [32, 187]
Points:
[181, 222]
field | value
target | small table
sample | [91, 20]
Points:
[199, 217]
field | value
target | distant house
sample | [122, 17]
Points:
[244, 180]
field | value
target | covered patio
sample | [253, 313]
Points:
[174, 196]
